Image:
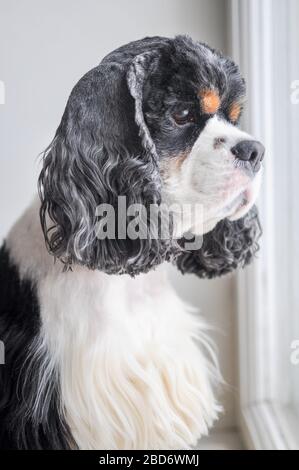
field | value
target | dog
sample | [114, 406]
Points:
[100, 352]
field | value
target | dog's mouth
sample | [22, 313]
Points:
[238, 202]
[245, 198]
[241, 204]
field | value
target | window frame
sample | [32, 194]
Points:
[267, 419]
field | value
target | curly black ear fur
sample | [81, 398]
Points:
[102, 149]
[228, 246]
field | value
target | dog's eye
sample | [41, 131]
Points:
[183, 116]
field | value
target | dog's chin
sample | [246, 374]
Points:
[245, 199]
[237, 206]
[234, 210]
[242, 205]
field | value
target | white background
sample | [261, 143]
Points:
[45, 47]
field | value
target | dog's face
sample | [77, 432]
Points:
[192, 106]
[156, 122]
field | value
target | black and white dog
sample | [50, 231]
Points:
[99, 360]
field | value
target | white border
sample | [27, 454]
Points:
[266, 423]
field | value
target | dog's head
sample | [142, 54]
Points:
[155, 122]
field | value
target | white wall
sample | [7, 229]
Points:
[45, 47]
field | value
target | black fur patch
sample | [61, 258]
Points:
[19, 376]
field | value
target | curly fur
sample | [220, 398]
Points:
[92, 161]
[229, 246]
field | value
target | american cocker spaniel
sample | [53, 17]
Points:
[100, 352]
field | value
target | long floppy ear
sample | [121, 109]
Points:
[102, 150]
[228, 246]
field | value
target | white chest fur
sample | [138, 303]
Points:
[126, 351]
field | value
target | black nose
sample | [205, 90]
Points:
[250, 151]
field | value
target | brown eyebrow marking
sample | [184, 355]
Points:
[181, 157]
[173, 163]
[234, 111]
[210, 101]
